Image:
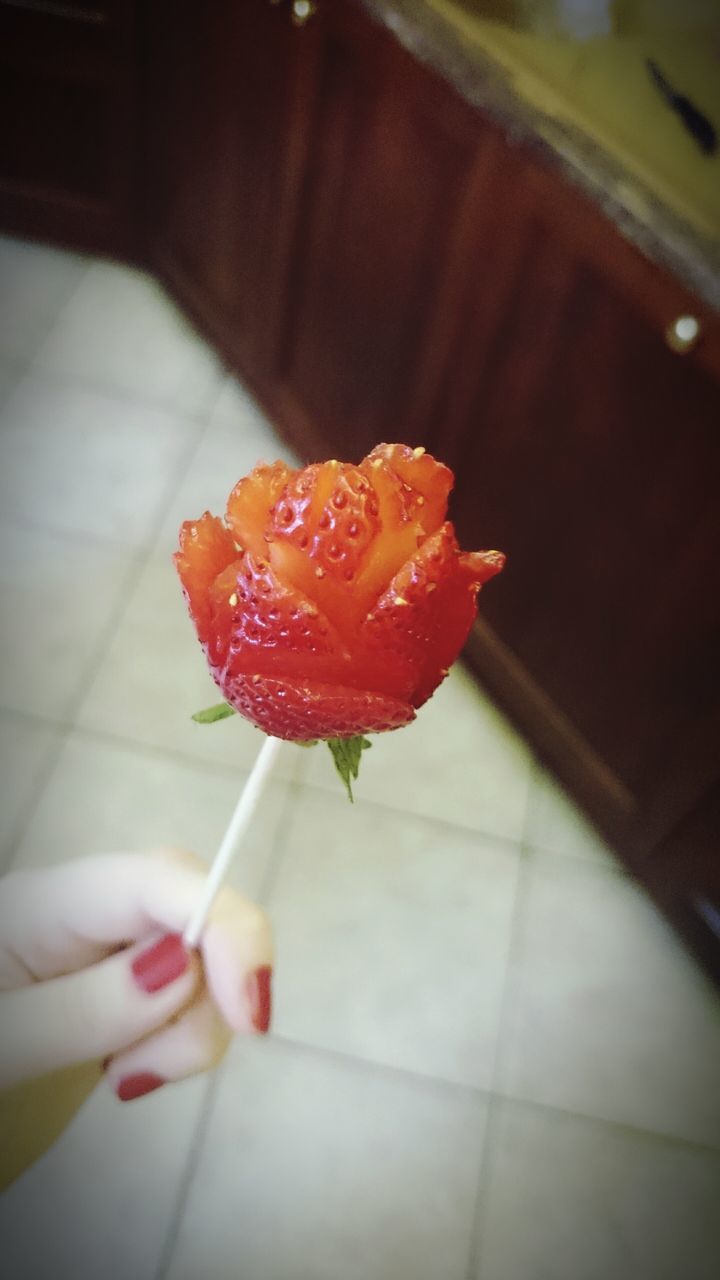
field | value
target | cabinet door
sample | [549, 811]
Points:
[69, 106]
[388, 187]
[590, 453]
[225, 88]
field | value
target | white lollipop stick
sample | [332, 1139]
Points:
[233, 837]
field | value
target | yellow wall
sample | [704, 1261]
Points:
[603, 89]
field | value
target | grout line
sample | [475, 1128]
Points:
[121, 395]
[139, 563]
[525, 864]
[511, 842]
[147, 542]
[17, 373]
[47, 329]
[241, 768]
[36, 718]
[386, 1070]
[487, 1155]
[99, 541]
[23, 366]
[473, 1270]
[107, 737]
[619, 1126]
[197, 1145]
[155, 749]
[493, 1098]
[136, 564]
[23, 821]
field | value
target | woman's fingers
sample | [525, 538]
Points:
[195, 1041]
[95, 1011]
[64, 999]
[65, 917]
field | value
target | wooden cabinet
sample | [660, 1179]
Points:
[390, 167]
[224, 152]
[379, 260]
[69, 78]
[590, 451]
[451, 289]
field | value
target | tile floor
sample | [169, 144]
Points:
[492, 1060]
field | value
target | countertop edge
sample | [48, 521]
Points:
[639, 215]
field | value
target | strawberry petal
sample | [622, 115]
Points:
[301, 711]
[206, 549]
[426, 481]
[272, 628]
[251, 502]
[424, 616]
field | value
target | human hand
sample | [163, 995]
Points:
[92, 966]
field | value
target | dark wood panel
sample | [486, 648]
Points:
[60, 140]
[591, 454]
[84, 40]
[392, 166]
[226, 116]
[69, 88]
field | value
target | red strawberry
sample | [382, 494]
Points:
[337, 598]
[302, 711]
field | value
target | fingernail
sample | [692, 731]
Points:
[161, 964]
[138, 1085]
[259, 994]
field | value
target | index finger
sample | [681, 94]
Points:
[57, 920]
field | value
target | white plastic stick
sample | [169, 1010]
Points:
[233, 837]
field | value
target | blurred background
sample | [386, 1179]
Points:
[241, 232]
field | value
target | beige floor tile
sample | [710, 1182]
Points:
[35, 283]
[25, 749]
[236, 406]
[232, 445]
[606, 1014]
[122, 332]
[58, 595]
[571, 1199]
[459, 761]
[100, 1203]
[556, 824]
[10, 374]
[102, 798]
[393, 935]
[72, 458]
[154, 677]
[319, 1168]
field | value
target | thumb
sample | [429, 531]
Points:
[96, 1011]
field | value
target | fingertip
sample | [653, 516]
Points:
[258, 991]
[238, 968]
[128, 1088]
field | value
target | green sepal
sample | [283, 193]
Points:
[220, 711]
[346, 753]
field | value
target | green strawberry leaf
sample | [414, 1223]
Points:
[220, 711]
[346, 752]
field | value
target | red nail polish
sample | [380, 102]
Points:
[161, 964]
[259, 996]
[138, 1085]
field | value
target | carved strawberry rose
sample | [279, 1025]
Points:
[332, 600]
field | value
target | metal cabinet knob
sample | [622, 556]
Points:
[302, 12]
[683, 334]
